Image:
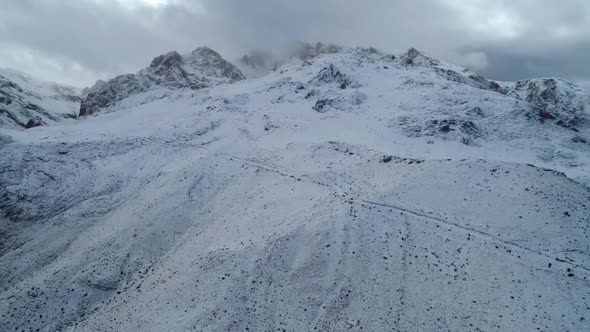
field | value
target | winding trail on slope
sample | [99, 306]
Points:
[420, 215]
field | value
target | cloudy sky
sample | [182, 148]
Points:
[79, 41]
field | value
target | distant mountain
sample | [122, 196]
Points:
[199, 69]
[28, 102]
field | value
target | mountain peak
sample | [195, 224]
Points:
[165, 61]
[209, 63]
[414, 57]
[201, 68]
[205, 52]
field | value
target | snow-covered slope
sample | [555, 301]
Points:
[349, 191]
[26, 101]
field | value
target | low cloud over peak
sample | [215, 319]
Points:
[77, 42]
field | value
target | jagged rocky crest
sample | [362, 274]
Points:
[201, 68]
[554, 100]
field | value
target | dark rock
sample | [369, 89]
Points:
[34, 122]
[386, 159]
[482, 83]
[331, 74]
[164, 62]
[322, 104]
[389, 58]
[467, 141]
[553, 99]
[312, 93]
[470, 128]
[415, 57]
[578, 139]
[476, 111]
[114, 91]
[545, 115]
[411, 55]
[495, 86]
[5, 100]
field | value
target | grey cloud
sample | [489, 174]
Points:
[504, 39]
[571, 63]
[101, 38]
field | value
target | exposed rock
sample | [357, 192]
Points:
[201, 68]
[321, 106]
[111, 93]
[578, 139]
[555, 99]
[331, 74]
[34, 122]
[96, 87]
[415, 57]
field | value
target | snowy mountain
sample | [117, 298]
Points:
[28, 102]
[344, 190]
[200, 69]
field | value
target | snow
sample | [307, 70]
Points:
[42, 88]
[24, 98]
[240, 207]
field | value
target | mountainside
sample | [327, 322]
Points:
[347, 189]
[200, 69]
[27, 102]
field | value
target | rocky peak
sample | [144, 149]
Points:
[204, 53]
[96, 87]
[331, 74]
[207, 62]
[415, 57]
[199, 69]
[164, 62]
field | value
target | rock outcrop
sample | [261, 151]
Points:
[555, 100]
